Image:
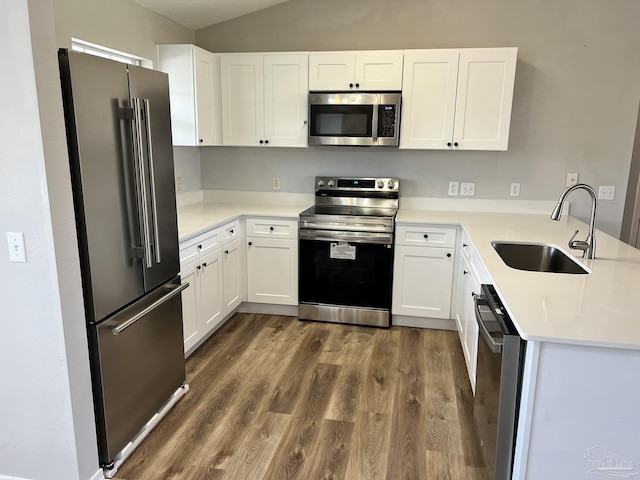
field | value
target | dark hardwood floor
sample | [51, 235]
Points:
[275, 398]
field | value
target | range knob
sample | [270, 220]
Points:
[380, 184]
[330, 183]
[391, 184]
[321, 183]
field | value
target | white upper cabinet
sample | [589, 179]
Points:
[366, 71]
[457, 99]
[194, 94]
[264, 99]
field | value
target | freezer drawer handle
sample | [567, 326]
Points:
[126, 324]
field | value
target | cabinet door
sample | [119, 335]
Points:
[331, 71]
[242, 87]
[272, 271]
[485, 93]
[379, 71]
[428, 98]
[286, 80]
[190, 296]
[205, 97]
[232, 275]
[470, 344]
[461, 300]
[211, 290]
[422, 281]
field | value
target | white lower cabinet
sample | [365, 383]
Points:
[212, 265]
[471, 275]
[423, 271]
[422, 281]
[202, 300]
[272, 261]
[232, 275]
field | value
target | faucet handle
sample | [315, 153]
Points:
[571, 239]
[578, 244]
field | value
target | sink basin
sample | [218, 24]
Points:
[537, 257]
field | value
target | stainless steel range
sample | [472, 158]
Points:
[346, 251]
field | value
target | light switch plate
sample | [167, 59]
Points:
[572, 179]
[276, 183]
[515, 189]
[17, 249]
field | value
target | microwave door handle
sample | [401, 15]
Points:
[374, 123]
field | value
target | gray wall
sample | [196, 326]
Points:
[575, 102]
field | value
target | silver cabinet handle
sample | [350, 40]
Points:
[141, 183]
[124, 325]
[152, 187]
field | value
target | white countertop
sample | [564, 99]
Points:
[597, 309]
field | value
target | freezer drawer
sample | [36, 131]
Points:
[141, 365]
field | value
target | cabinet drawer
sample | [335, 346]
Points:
[230, 231]
[268, 228]
[426, 236]
[191, 249]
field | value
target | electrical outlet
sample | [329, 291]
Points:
[17, 249]
[276, 183]
[515, 189]
[453, 188]
[467, 189]
[572, 179]
[606, 192]
[178, 184]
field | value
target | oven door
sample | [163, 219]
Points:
[349, 269]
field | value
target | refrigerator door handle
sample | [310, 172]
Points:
[152, 177]
[117, 329]
[141, 183]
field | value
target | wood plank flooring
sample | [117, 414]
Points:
[275, 398]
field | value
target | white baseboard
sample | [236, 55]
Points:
[99, 475]
[422, 322]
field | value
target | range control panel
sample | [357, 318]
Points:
[357, 184]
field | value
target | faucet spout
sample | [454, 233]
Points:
[587, 246]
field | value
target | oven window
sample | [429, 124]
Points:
[362, 280]
[341, 120]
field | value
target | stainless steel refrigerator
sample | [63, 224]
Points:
[120, 149]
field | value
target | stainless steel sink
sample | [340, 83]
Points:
[537, 257]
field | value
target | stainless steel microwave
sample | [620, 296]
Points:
[350, 118]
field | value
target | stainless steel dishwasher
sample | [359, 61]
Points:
[498, 383]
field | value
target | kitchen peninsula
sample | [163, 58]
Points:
[580, 389]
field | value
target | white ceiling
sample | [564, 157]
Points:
[196, 14]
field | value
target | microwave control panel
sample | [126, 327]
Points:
[387, 120]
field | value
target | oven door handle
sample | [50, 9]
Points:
[495, 346]
[351, 237]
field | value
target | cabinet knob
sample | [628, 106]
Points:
[448, 255]
[231, 232]
[473, 294]
[448, 144]
[261, 142]
[464, 272]
[426, 236]
[250, 243]
[357, 85]
[465, 245]
[455, 144]
[266, 141]
[351, 85]
[201, 140]
[204, 264]
[199, 247]
[271, 228]
[198, 267]
[226, 252]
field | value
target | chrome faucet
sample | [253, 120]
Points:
[587, 246]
